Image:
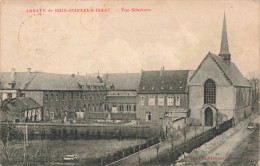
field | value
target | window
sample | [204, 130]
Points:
[161, 100]
[121, 108]
[51, 97]
[128, 94]
[134, 107]
[106, 108]
[71, 96]
[62, 96]
[57, 97]
[85, 97]
[9, 95]
[128, 108]
[209, 92]
[148, 116]
[46, 97]
[151, 100]
[113, 94]
[118, 94]
[170, 101]
[142, 100]
[22, 95]
[80, 95]
[178, 101]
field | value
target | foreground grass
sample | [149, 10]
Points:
[54, 150]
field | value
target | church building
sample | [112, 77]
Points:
[217, 89]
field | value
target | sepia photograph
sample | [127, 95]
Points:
[129, 83]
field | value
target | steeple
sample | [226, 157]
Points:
[224, 51]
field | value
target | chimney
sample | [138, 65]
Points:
[28, 71]
[161, 71]
[12, 72]
[86, 74]
[73, 75]
[78, 73]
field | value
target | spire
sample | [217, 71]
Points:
[224, 51]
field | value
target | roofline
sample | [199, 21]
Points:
[121, 90]
[62, 90]
[243, 86]
[162, 93]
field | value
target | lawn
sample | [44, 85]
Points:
[54, 150]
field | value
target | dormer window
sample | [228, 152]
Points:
[11, 84]
[152, 87]
[161, 87]
[144, 87]
[170, 87]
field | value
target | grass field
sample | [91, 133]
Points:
[54, 150]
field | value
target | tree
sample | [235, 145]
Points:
[5, 129]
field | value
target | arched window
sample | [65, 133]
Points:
[210, 92]
[106, 107]
[121, 107]
[128, 108]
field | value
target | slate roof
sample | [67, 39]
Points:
[122, 81]
[164, 81]
[230, 71]
[25, 103]
[20, 79]
[121, 99]
[49, 81]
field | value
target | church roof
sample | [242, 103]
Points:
[164, 81]
[229, 69]
[122, 81]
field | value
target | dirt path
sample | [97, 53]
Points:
[222, 153]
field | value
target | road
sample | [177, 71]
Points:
[222, 154]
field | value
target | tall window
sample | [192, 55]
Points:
[210, 92]
[148, 116]
[71, 96]
[170, 101]
[178, 101]
[142, 100]
[161, 100]
[51, 97]
[80, 95]
[151, 100]
[46, 97]
[57, 97]
[121, 108]
[62, 96]
[9, 95]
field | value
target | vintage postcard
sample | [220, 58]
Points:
[141, 82]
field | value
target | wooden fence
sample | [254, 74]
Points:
[191, 144]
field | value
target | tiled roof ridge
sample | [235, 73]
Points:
[222, 71]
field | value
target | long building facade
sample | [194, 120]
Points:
[213, 93]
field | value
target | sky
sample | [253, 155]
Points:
[175, 34]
